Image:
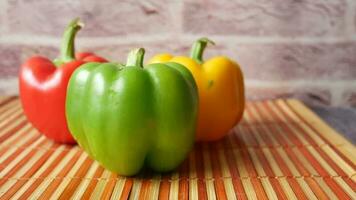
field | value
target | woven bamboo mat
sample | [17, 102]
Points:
[280, 150]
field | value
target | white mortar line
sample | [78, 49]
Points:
[350, 19]
[339, 84]
[231, 39]
[183, 39]
[3, 16]
[179, 18]
[337, 98]
[10, 85]
[82, 41]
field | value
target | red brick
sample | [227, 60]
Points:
[12, 56]
[10, 61]
[354, 18]
[349, 98]
[119, 52]
[2, 17]
[271, 62]
[102, 18]
[292, 18]
[290, 61]
[311, 95]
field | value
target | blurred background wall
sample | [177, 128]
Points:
[286, 48]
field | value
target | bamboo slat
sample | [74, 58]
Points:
[280, 150]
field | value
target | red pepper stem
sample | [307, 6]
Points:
[198, 47]
[67, 53]
[135, 57]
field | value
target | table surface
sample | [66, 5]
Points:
[279, 150]
[342, 119]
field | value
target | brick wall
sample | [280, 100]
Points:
[287, 48]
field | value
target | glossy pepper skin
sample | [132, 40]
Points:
[221, 90]
[43, 87]
[126, 117]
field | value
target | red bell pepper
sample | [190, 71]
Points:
[43, 86]
[89, 57]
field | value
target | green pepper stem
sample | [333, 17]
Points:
[67, 47]
[198, 47]
[135, 57]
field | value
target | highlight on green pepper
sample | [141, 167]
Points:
[129, 116]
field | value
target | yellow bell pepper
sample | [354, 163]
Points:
[221, 90]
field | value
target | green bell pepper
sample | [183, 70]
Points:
[126, 117]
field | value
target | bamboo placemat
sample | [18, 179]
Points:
[280, 150]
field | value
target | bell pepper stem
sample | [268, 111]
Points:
[135, 57]
[197, 50]
[67, 51]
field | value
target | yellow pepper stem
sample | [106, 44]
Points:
[198, 47]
